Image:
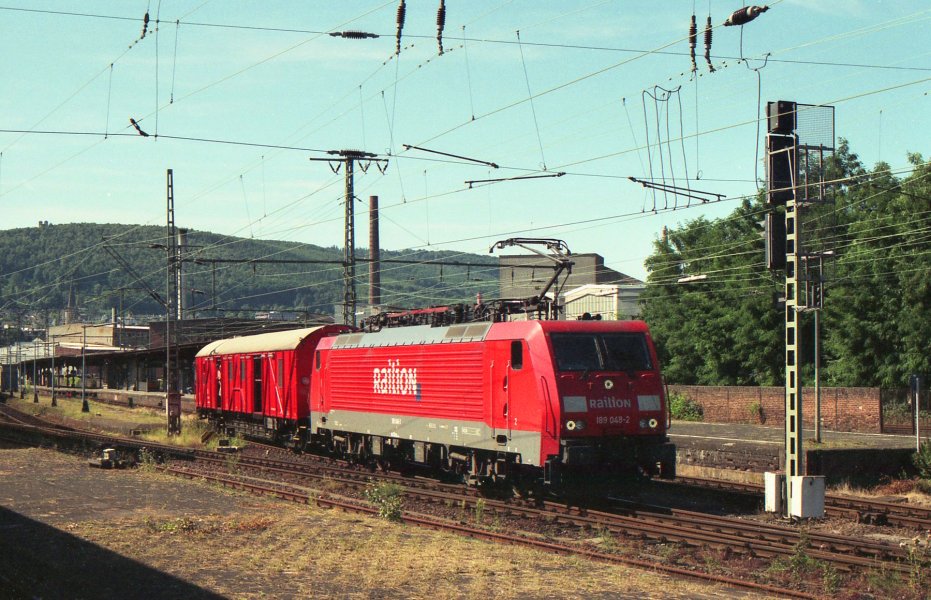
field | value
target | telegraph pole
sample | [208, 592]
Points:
[35, 382]
[54, 398]
[20, 370]
[85, 407]
[348, 159]
[349, 250]
[172, 394]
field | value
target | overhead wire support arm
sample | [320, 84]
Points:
[136, 276]
[324, 261]
[499, 180]
[679, 191]
[475, 160]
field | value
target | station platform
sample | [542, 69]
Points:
[740, 433]
[744, 452]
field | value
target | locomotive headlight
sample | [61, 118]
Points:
[643, 423]
[575, 425]
[653, 423]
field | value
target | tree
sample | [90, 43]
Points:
[720, 329]
[879, 313]
[876, 321]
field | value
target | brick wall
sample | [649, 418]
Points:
[842, 409]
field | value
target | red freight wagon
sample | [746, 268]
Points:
[259, 385]
[492, 400]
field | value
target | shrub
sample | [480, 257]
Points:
[755, 410]
[387, 497]
[922, 460]
[148, 460]
[684, 408]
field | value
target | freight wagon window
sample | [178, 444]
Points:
[626, 352]
[318, 359]
[517, 355]
[576, 352]
[280, 372]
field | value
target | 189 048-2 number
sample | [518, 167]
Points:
[613, 420]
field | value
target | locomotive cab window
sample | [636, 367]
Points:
[517, 355]
[626, 352]
[601, 352]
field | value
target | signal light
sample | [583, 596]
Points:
[781, 168]
[775, 241]
[781, 116]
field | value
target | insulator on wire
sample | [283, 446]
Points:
[145, 25]
[353, 35]
[138, 129]
[693, 41]
[708, 35]
[744, 15]
[440, 24]
[402, 10]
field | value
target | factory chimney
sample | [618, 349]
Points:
[374, 254]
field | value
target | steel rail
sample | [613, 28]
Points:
[692, 528]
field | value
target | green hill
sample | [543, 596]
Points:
[39, 266]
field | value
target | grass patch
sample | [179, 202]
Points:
[192, 428]
[192, 431]
[70, 408]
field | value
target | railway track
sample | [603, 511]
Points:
[637, 522]
[653, 524]
[861, 510]
[296, 494]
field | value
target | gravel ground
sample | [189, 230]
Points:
[69, 531]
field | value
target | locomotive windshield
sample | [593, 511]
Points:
[601, 352]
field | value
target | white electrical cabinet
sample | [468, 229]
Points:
[774, 485]
[806, 497]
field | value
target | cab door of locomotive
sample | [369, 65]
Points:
[498, 368]
[507, 363]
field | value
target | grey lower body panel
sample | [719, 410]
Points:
[464, 434]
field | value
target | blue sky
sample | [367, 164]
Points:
[267, 73]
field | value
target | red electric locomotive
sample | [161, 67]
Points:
[495, 400]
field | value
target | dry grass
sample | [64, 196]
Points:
[70, 408]
[300, 551]
[192, 431]
[104, 416]
[905, 488]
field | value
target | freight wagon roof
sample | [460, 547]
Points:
[263, 342]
